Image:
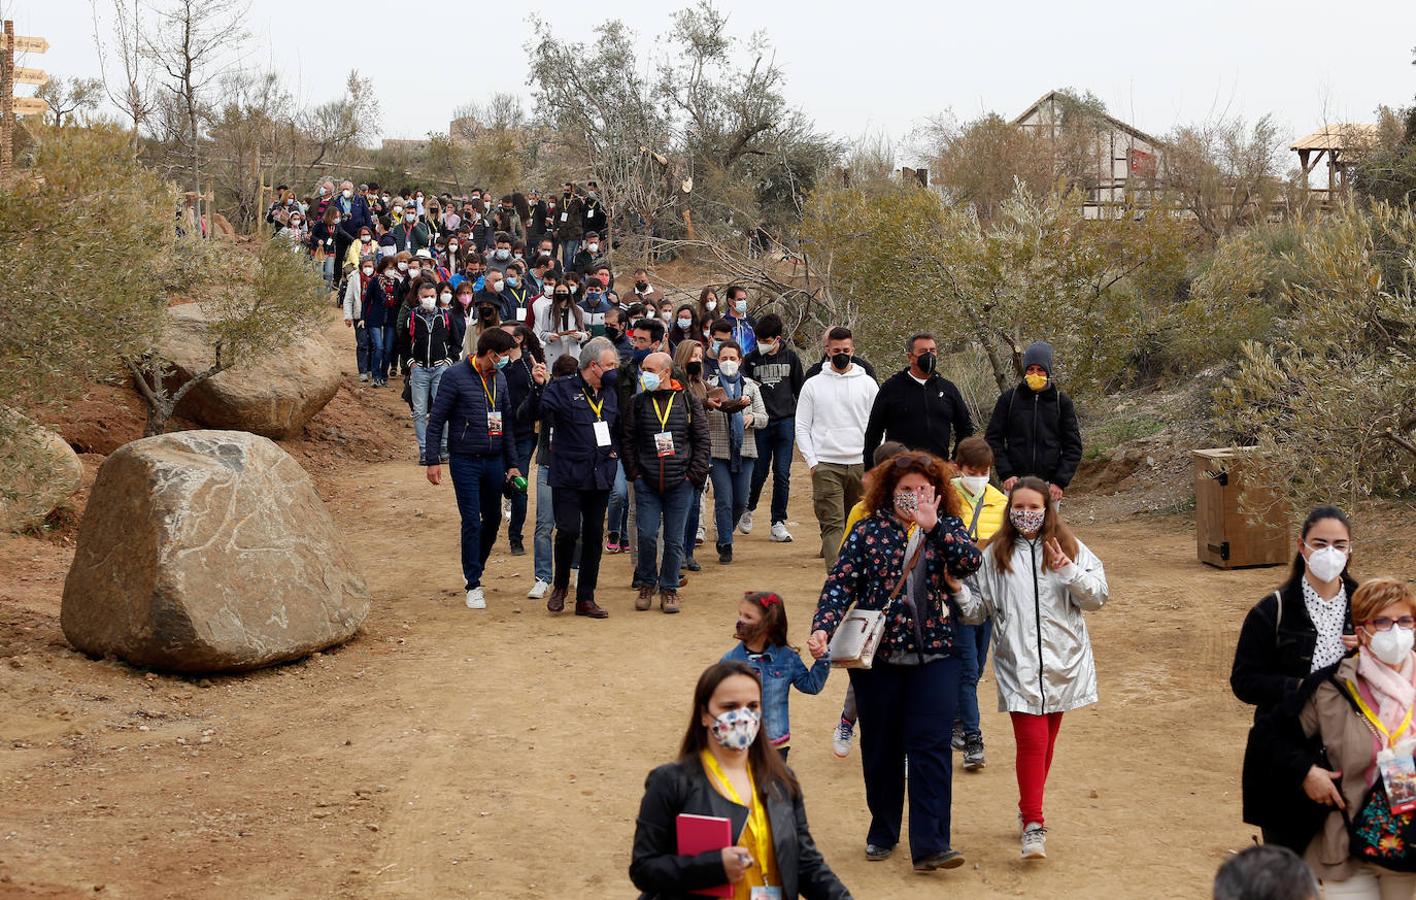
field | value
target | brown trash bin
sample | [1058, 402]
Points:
[1224, 536]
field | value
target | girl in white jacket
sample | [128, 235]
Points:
[1035, 581]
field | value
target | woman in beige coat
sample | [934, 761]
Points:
[1365, 707]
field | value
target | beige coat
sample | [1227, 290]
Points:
[1352, 750]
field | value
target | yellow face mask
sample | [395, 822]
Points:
[1035, 381]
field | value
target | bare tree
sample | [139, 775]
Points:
[334, 127]
[133, 94]
[195, 43]
[67, 98]
[1225, 172]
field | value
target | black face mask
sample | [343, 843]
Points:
[925, 363]
[613, 333]
[840, 361]
[486, 312]
[694, 369]
[641, 285]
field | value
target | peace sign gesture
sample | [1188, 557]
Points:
[1057, 559]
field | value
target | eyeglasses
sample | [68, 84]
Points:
[1383, 623]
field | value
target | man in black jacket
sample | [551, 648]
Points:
[1034, 430]
[777, 370]
[918, 407]
[666, 456]
[474, 406]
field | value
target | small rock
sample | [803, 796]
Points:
[320, 813]
[206, 739]
[372, 827]
[1094, 795]
[348, 743]
[144, 728]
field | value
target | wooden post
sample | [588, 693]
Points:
[7, 104]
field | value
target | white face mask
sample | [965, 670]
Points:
[403, 267]
[740, 306]
[446, 297]
[410, 217]
[427, 302]
[729, 368]
[667, 317]
[496, 287]
[452, 247]
[711, 305]
[347, 193]
[974, 484]
[364, 238]
[1326, 563]
[415, 272]
[368, 270]
[1393, 647]
[768, 347]
[593, 248]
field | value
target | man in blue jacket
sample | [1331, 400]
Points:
[354, 214]
[582, 414]
[473, 403]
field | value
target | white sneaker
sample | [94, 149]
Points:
[841, 740]
[476, 599]
[780, 534]
[506, 510]
[745, 523]
[364, 377]
[538, 590]
[1034, 841]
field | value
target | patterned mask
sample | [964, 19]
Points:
[1027, 521]
[736, 729]
[906, 502]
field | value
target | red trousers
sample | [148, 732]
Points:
[1036, 736]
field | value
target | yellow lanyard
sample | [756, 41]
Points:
[757, 826]
[1376, 722]
[596, 408]
[491, 394]
[664, 417]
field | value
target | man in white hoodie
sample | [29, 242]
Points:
[831, 415]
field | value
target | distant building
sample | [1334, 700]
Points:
[1343, 145]
[1127, 160]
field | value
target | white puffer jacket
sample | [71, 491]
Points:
[1042, 656]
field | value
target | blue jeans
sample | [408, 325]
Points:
[730, 492]
[774, 451]
[907, 711]
[425, 381]
[569, 248]
[619, 506]
[477, 481]
[690, 525]
[515, 527]
[652, 509]
[972, 641]
[363, 347]
[390, 358]
[545, 525]
[378, 355]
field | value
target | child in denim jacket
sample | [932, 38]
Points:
[762, 633]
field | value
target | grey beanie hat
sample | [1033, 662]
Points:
[1039, 353]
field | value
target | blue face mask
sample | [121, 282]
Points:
[501, 363]
[717, 345]
[512, 281]
[641, 355]
[649, 380]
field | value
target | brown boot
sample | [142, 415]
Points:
[590, 609]
[645, 598]
[556, 604]
[669, 601]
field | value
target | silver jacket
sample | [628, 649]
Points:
[1042, 656]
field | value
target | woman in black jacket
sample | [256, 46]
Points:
[721, 761]
[1303, 627]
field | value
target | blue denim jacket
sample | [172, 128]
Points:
[780, 668]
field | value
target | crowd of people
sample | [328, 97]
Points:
[654, 425]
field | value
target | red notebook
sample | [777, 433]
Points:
[699, 834]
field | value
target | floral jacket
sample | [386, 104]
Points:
[871, 562]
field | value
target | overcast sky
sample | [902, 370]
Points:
[855, 68]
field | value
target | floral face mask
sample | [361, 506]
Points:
[736, 729]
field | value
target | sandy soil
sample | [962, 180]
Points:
[502, 753]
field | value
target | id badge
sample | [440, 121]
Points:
[1399, 776]
[520, 314]
[664, 443]
[602, 433]
[565, 217]
[766, 893]
[494, 424]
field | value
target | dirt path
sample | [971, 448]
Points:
[502, 753]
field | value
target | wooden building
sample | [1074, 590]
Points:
[1342, 145]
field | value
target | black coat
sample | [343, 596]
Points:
[661, 873]
[685, 420]
[576, 459]
[1272, 665]
[1035, 433]
[932, 416]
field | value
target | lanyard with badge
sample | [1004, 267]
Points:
[664, 440]
[1394, 760]
[756, 824]
[494, 416]
[602, 428]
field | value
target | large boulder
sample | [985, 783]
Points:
[38, 471]
[205, 551]
[273, 394]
